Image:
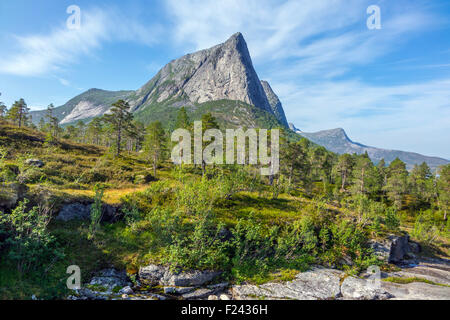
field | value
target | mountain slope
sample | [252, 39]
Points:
[223, 73]
[336, 140]
[90, 104]
[275, 103]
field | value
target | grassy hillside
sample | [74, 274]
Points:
[230, 220]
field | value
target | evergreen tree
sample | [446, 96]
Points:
[443, 186]
[396, 182]
[19, 113]
[3, 110]
[344, 168]
[120, 119]
[154, 144]
[52, 121]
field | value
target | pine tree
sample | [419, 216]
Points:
[120, 119]
[443, 186]
[344, 168]
[19, 113]
[53, 121]
[154, 144]
[3, 110]
[396, 182]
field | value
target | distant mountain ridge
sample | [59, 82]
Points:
[224, 72]
[336, 140]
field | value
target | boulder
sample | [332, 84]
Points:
[74, 211]
[360, 289]
[81, 211]
[111, 279]
[154, 275]
[395, 249]
[11, 194]
[35, 163]
[316, 284]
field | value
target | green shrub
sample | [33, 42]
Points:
[28, 241]
[392, 220]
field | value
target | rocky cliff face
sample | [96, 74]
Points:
[224, 71]
[275, 103]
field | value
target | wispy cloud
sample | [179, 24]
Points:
[44, 54]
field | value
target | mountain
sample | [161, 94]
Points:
[88, 105]
[202, 81]
[336, 140]
[275, 103]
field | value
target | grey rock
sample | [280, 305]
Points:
[35, 163]
[361, 289]
[81, 211]
[126, 290]
[154, 274]
[399, 248]
[198, 294]
[110, 279]
[275, 103]
[10, 194]
[224, 71]
[416, 291]
[213, 297]
[395, 249]
[316, 284]
[224, 296]
[74, 211]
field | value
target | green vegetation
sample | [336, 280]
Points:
[320, 209]
[411, 280]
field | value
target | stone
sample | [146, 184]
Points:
[361, 289]
[169, 290]
[154, 274]
[35, 163]
[394, 249]
[198, 294]
[74, 211]
[81, 211]
[126, 290]
[213, 297]
[110, 279]
[11, 194]
[224, 296]
[416, 291]
[316, 284]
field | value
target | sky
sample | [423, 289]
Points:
[387, 87]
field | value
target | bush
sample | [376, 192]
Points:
[28, 241]
[202, 248]
[392, 220]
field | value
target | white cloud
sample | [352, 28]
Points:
[42, 54]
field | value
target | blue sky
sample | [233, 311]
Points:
[387, 88]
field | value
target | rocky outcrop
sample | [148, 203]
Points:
[224, 71]
[160, 275]
[275, 103]
[395, 249]
[316, 284]
[82, 211]
[35, 163]
[11, 194]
